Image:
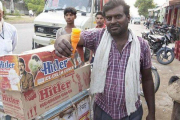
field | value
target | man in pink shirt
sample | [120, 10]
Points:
[117, 44]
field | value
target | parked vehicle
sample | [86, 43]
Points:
[146, 34]
[52, 18]
[136, 20]
[158, 46]
[156, 29]
[175, 32]
[156, 80]
[164, 29]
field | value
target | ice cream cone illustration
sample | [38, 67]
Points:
[35, 64]
[75, 37]
[14, 79]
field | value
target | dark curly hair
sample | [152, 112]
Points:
[115, 3]
[70, 10]
[99, 13]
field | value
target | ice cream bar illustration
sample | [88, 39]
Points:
[75, 37]
[35, 64]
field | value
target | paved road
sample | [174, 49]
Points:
[137, 29]
[25, 33]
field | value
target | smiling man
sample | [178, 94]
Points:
[121, 60]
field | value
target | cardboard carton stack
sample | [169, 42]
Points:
[38, 80]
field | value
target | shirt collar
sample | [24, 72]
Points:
[102, 26]
[130, 37]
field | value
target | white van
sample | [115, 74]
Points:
[136, 20]
[52, 18]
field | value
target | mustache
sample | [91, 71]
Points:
[114, 25]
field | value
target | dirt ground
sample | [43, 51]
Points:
[163, 102]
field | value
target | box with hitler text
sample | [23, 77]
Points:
[81, 111]
[33, 68]
[30, 104]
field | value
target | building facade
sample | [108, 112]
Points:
[169, 12]
[173, 13]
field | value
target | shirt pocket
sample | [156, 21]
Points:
[7, 45]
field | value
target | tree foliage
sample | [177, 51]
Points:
[143, 6]
[13, 0]
[36, 5]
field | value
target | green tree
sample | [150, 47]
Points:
[143, 6]
[14, 0]
[36, 5]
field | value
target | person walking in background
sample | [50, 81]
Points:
[121, 60]
[31, 14]
[8, 35]
[147, 23]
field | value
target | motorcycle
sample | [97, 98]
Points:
[163, 30]
[158, 46]
[175, 31]
[157, 29]
[146, 34]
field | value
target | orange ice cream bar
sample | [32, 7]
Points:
[75, 37]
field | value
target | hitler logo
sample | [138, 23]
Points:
[30, 95]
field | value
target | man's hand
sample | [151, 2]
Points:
[150, 117]
[63, 46]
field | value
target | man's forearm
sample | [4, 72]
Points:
[148, 89]
[81, 41]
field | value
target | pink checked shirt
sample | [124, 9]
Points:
[112, 101]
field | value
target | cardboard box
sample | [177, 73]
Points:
[36, 67]
[28, 105]
[83, 109]
[81, 112]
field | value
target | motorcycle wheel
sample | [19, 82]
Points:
[156, 80]
[162, 55]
